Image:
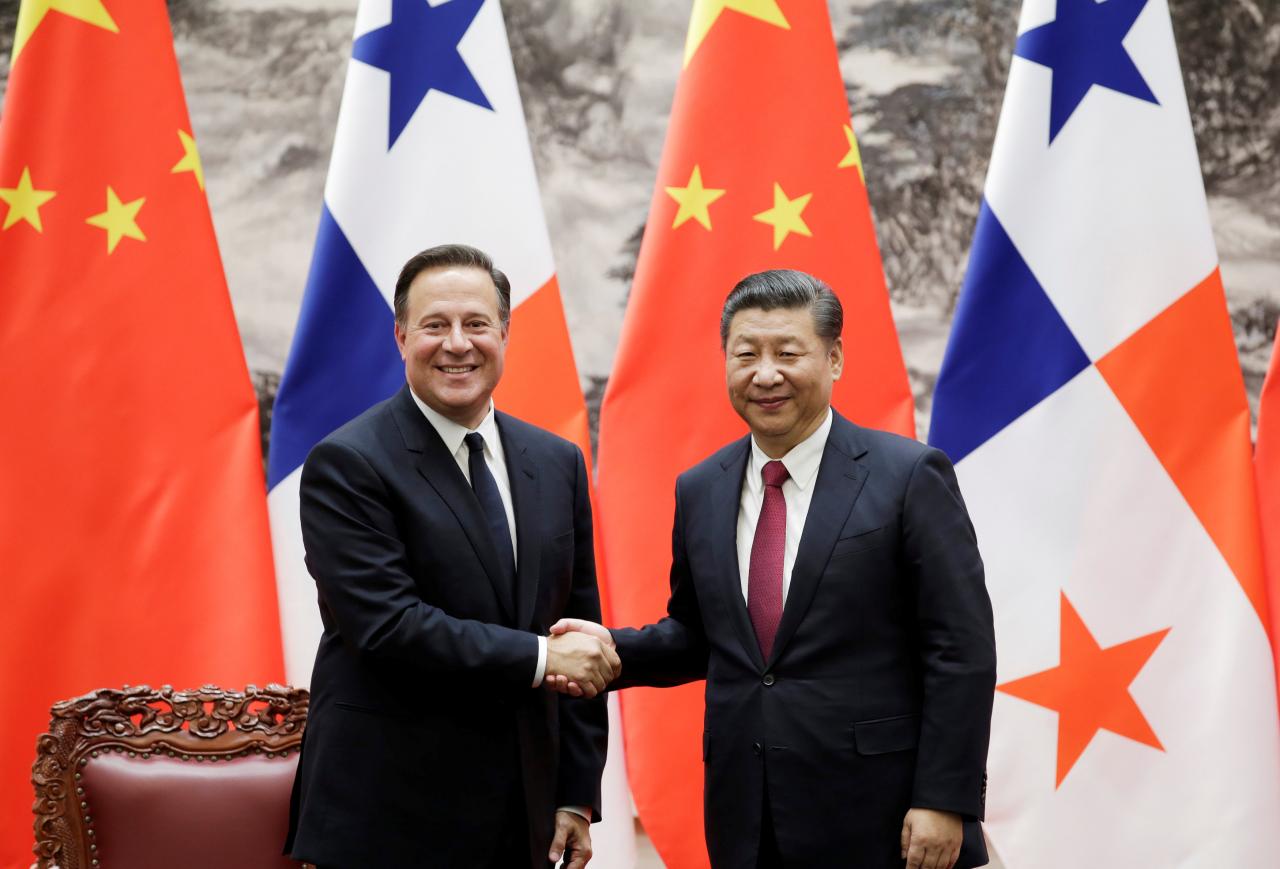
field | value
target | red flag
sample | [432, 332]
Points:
[133, 524]
[1266, 465]
[760, 170]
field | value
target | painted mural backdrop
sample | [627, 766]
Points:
[924, 77]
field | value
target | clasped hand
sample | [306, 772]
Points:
[581, 660]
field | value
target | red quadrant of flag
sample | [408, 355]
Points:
[1266, 465]
[760, 170]
[135, 537]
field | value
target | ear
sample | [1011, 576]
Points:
[506, 332]
[401, 336]
[836, 357]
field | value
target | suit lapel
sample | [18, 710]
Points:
[441, 472]
[521, 470]
[839, 483]
[726, 499]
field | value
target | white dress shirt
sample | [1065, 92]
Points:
[802, 463]
[453, 436]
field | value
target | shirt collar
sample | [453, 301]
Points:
[452, 433]
[801, 461]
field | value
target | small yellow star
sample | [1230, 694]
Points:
[785, 217]
[694, 200]
[24, 201]
[31, 14]
[119, 220]
[190, 161]
[707, 12]
[854, 157]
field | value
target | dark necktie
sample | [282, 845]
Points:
[768, 549]
[486, 489]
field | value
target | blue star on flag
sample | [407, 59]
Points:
[1084, 47]
[419, 48]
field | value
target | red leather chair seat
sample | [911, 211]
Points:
[164, 812]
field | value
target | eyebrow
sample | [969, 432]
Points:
[471, 315]
[756, 339]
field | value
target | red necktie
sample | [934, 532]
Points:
[764, 578]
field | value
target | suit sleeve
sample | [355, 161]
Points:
[357, 558]
[584, 724]
[956, 640]
[673, 650]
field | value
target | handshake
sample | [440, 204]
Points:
[581, 660]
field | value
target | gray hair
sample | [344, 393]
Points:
[785, 288]
[444, 256]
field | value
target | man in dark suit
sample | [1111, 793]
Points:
[826, 582]
[444, 538]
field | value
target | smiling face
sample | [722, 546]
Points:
[780, 373]
[453, 341]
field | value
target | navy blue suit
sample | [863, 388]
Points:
[426, 744]
[877, 694]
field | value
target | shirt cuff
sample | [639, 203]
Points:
[541, 669]
[581, 811]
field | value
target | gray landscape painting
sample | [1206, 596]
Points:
[925, 80]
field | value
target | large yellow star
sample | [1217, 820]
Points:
[24, 201]
[854, 157]
[707, 12]
[119, 220]
[32, 12]
[694, 200]
[190, 161]
[785, 216]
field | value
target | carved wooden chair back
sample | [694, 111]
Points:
[136, 778]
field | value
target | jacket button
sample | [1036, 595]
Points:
[768, 678]
[756, 747]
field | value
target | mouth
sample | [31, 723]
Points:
[771, 402]
[457, 369]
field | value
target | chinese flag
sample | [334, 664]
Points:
[760, 170]
[1266, 464]
[133, 524]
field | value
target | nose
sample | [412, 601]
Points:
[766, 374]
[456, 341]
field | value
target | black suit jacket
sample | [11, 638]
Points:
[877, 694]
[423, 722]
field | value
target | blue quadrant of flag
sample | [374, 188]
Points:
[1009, 347]
[419, 49]
[1084, 46]
[343, 359]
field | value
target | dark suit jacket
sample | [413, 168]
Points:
[877, 695]
[423, 722]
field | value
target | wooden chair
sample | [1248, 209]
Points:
[139, 778]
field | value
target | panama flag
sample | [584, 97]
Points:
[431, 147]
[1093, 400]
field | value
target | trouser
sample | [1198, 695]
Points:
[770, 857]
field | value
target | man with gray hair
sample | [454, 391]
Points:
[826, 582]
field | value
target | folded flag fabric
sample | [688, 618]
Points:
[1092, 398]
[133, 522]
[761, 169]
[431, 147]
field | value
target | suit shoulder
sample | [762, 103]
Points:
[714, 464]
[895, 446]
[885, 449]
[530, 435]
[360, 432]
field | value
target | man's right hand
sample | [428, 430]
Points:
[581, 659]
